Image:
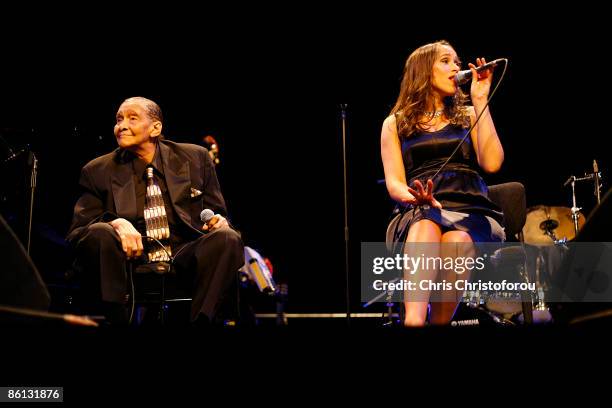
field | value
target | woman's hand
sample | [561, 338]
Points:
[420, 196]
[481, 82]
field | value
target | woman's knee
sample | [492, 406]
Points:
[424, 231]
[456, 237]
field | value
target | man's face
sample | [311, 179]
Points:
[134, 128]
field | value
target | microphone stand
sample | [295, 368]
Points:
[346, 229]
[34, 163]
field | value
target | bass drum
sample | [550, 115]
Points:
[521, 264]
[505, 264]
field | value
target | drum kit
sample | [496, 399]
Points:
[546, 232]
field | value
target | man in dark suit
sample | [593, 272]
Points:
[109, 217]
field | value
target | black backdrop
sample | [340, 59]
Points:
[268, 86]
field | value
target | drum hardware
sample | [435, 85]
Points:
[596, 177]
[501, 320]
[541, 312]
[575, 210]
[510, 304]
[546, 226]
[388, 320]
[555, 226]
[516, 306]
[541, 305]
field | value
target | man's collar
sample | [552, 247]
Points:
[140, 166]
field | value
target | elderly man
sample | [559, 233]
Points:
[154, 188]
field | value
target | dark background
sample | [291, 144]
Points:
[267, 84]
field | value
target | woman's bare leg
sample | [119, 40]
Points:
[421, 232]
[453, 244]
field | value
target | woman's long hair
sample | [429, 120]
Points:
[416, 94]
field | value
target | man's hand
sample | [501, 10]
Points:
[131, 241]
[215, 223]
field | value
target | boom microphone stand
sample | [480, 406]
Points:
[33, 162]
[346, 230]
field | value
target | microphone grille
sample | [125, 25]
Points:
[206, 215]
[463, 76]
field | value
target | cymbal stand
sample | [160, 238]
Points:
[539, 282]
[596, 177]
[575, 210]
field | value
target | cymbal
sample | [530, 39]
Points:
[557, 220]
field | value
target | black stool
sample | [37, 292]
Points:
[154, 283]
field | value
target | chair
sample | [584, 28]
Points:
[510, 197]
[156, 284]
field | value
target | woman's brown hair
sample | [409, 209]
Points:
[416, 94]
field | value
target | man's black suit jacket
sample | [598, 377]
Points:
[108, 190]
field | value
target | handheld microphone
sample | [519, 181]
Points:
[464, 76]
[206, 215]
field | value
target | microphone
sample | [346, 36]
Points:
[464, 76]
[206, 215]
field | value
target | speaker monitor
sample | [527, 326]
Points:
[20, 283]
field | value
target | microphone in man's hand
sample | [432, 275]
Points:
[464, 76]
[206, 215]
